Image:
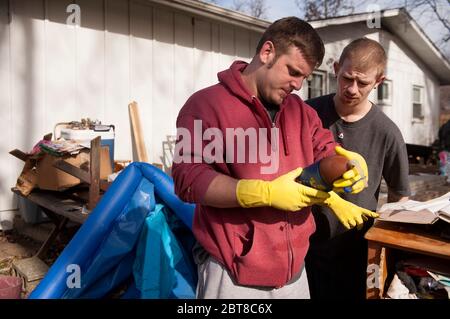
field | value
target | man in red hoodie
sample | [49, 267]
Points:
[241, 144]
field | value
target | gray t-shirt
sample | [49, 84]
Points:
[381, 144]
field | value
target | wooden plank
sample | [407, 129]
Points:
[19, 154]
[79, 173]
[73, 170]
[405, 238]
[138, 138]
[94, 172]
[52, 236]
[383, 270]
[57, 202]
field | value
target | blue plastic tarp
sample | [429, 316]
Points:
[162, 268]
[120, 238]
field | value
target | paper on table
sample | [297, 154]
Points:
[444, 213]
[417, 212]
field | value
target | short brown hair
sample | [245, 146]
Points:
[293, 31]
[366, 53]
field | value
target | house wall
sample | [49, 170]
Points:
[404, 69]
[124, 50]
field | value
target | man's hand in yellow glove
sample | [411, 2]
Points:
[348, 213]
[357, 178]
[283, 193]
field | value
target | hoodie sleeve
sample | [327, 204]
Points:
[191, 174]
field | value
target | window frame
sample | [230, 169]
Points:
[385, 101]
[323, 89]
[419, 102]
[331, 83]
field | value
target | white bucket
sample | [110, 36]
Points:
[85, 136]
[7, 220]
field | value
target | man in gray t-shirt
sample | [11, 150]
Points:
[337, 259]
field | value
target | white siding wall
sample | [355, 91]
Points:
[7, 162]
[406, 70]
[124, 50]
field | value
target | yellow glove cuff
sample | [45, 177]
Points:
[253, 193]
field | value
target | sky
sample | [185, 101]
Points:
[431, 26]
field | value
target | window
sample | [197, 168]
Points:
[384, 93]
[316, 84]
[417, 102]
[332, 83]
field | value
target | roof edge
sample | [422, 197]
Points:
[215, 12]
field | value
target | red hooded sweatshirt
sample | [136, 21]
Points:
[260, 246]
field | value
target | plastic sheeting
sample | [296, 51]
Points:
[105, 270]
[162, 268]
[104, 248]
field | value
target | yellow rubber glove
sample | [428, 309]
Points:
[283, 193]
[349, 214]
[355, 179]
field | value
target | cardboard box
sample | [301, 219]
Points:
[27, 179]
[52, 178]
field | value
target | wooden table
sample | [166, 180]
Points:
[386, 237]
[60, 207]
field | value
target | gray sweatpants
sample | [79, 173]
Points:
[214, 282]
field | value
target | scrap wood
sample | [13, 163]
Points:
[137, 132]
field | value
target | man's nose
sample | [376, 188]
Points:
[353, 88]
[296, 84]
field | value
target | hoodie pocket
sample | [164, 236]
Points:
[243, 243]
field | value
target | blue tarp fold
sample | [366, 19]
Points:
[130, 232]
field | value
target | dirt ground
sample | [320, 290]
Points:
[14, 246]
[24, 242]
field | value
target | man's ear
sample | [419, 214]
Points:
[336, 67]
[379, 81]
[267, 52]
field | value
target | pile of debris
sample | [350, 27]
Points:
[19, 246]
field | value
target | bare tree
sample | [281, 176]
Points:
[239, 5]
[323, 9]
[437, 13]
[439, 9]
[257, 8]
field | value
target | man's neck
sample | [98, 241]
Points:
[248, 77]
[351, 113]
